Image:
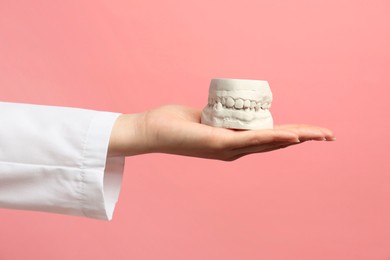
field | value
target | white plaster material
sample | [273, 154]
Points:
[238, 104]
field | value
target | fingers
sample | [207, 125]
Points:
[240, 139]
[284, 133]
[257, 141]
[260, 149]
[309, 132]
[264, 147]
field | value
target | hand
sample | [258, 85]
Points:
[177, 130]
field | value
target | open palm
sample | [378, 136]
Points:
[177, 130]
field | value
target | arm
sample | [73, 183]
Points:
[70, 161]
[54, 159]
[177, 130]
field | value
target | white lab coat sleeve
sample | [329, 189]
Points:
[54, 159]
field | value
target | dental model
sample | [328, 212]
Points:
[238, 104]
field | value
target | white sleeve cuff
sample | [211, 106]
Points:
[101, 176]
[54, 159]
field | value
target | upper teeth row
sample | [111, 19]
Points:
[238, 103]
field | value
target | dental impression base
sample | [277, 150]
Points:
[238, 104]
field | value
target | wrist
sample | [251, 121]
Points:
[127, 136]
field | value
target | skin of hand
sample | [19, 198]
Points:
[175, 129]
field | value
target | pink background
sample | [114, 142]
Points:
[328, 63]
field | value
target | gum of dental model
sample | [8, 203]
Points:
[238, 104]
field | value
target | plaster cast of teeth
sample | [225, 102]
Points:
[238, 104]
